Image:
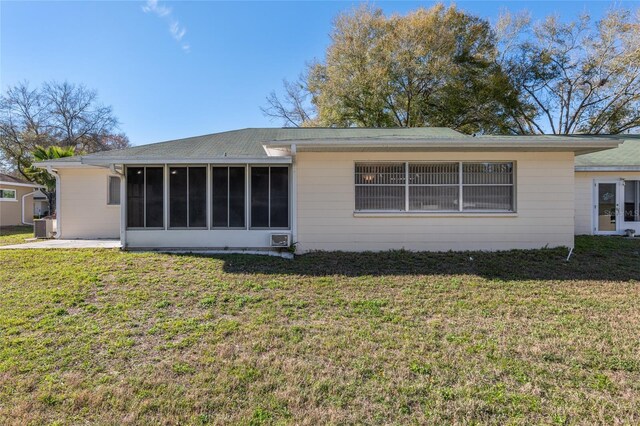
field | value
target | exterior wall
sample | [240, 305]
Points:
[83, 208]
[584, 196]
[326, 201]
[11, 211]
[215, 239]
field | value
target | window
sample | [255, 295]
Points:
[632, 201]
[269, 197]
[145, 197]
[113, 196]
[188, 197]
[8, 195]
[228, 197]
[430, 187]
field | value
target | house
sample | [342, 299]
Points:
[20, 201]
[352, 189]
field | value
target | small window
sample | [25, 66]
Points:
[8, 195]
[113, 197]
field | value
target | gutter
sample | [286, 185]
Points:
[123, 185]
[607, 168]
[294, 198]
[24, 222]
[58, 212]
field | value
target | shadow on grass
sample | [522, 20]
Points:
[594, 258]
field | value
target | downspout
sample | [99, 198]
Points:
[294, 199]
[58, 194]
[24, 222]
[123, 185]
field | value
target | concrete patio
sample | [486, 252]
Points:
[65, 244]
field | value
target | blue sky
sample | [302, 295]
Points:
[178, 69]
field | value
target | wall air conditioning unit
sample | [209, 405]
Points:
[43, 228]
[280, 240]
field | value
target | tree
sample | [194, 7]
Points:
[432, 67]
[574, 77]
[56, 114]
[41, 176]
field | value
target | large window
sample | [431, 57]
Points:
[442, 186]
[145, 197]
[188, 197]
[632, 201]
[7, 195]
[269, 197]
[228, 197]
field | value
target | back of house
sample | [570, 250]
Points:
[352, 189]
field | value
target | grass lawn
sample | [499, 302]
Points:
[394, 338]
[15, 234]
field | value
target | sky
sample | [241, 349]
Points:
[175, 69]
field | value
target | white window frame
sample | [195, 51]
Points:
[460, 184]
[109, 201]
[168, 195]
[15, 195]
[246, 199]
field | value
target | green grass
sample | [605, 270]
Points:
[520, 337]
[15, 234]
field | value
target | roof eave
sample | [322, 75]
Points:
[168, 160]
[632, 168]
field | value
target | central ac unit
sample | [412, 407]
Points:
[279, 240]
[43, 228]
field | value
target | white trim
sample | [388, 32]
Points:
[607, 169]
[448, 213]
[24, 221]
[15, 195]
[192, 161]
[29, 185]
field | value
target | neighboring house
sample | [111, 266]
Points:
[20, 201]
[349, 189]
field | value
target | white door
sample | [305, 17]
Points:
[606, 210]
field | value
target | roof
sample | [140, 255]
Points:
[11, 180]
[624, 157]
[275, 144]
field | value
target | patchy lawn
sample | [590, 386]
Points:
[127, 338]
[15, 234]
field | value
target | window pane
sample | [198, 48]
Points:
[155, 197]
[259, 197]
[487, 173]
[219, 196]
[380, 197]
[380, 174]
[487, 198]
[433, 197]
[236, 197]
[632, 201]
[434, 174]
[198, 197]
[279, 197]
[114, 190]
[135, 197]
[178, 197]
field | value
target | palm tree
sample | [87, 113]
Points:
[41, 176]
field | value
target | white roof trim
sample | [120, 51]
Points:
[216, 160]
[28, 185]
[607, 168]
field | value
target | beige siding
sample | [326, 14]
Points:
[83, 204]
[326, 200]
[584, 196]
[11, 211]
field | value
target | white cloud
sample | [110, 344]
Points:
[176, 29]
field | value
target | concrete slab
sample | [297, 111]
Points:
[65, 244]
